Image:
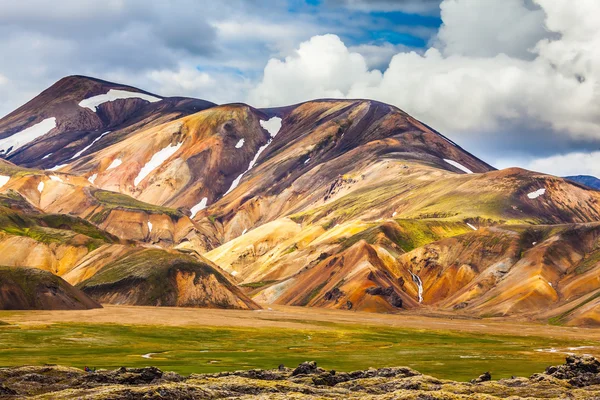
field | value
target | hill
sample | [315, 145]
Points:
[590, 181]
[34, 289]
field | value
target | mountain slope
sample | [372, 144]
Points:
[590, 181]
[159, 278]
[78, 114]
[34, 289]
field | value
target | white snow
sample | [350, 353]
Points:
[20, 139]
[536, 194]
[55, 178]
[149, 355]
[149, 226]
[239, 144]
[394, 214]
[40, 187]
[234, 273]
[157, 159]
[47, 155]
[550, 283]
[471, 226]
[236, 182]
[307, 160]
[459, 166]
[92, 178]
[419, 283]
[199, 207]
[244, 232]
[116, 162]
[88, 146]
[273, 125]
[57, 167]
[114, 94]
[4, 180]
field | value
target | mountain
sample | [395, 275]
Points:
[78, 114]
[349, 204]
[590, 181]
[32, 288]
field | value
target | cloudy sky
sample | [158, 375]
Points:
[517, 82]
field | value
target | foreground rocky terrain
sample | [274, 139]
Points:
[578, 378]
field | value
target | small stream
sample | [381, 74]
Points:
[419, 283]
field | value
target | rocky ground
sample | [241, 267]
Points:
[578, 378]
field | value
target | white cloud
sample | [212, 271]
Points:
[569, 164]
[321, 67]
[488, 28]
[517, 74]
[188, 81]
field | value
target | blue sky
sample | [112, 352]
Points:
[514, 81]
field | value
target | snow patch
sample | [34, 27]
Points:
[88, 146]
[471, 226]
[116, 162]
[92, 178]
[55, 178]
[239, 144]
[394, 214]
[307, 160]
[273, 125]
[536, 194]
[4, 180]
[40, 187]
[459, 166]
[114, 94]
[20, 139]
[57, 167]
[47, 155]
[234, 273]
[199, 207]
[157, 159]
[149, 226]
[244, 232]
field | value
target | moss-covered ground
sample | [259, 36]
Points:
[186, 350]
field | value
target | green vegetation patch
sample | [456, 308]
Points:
[112, 200]
[447, 355]
[256, 285]
[408, 234]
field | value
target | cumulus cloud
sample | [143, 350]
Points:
[487, 28]
[321, 67]
[481, 90]
[570, 164]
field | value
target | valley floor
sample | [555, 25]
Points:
[208, 340]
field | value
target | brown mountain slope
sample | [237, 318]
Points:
[75, 126]
[160, 278]
[34, 289]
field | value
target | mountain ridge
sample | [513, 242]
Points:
[333, 203]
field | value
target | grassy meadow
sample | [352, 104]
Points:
[449, 355]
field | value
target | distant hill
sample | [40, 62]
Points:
[587, 180]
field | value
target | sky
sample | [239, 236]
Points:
[515, 82]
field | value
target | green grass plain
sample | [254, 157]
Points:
[447, 355]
